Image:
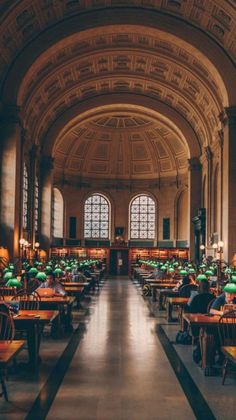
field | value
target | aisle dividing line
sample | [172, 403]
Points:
[195, 398]
[45, 398]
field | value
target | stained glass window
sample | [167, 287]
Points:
[25, 215]
[57, 214]
[96, 217]
[142, 218]
[36, 204]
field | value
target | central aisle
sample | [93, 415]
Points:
[120, 370]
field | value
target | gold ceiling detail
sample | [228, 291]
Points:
[146, 149]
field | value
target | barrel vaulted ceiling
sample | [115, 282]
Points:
[117, 59]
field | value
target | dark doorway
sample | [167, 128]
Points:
[119, 262]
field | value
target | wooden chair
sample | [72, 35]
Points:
[28, 301]
[7, 291]
[227, 335]
[7, 332]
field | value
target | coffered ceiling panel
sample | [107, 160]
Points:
[144, 150]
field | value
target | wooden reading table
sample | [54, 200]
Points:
[208, 325]
[8, 350]
[174, 301]
[33, 322]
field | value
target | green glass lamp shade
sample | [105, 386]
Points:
[192, 271]
[233, 278]
[41, 276]
[176, 264]
[8, 275]
[14, 283]
[163, 268]
[171, 270]
[183, 272]
[180, 267]
[228, 270]
[33, 271]
[57, 272]
[11, 266]
[209, 273]
[74, 266]
[230, 288]
[201, 277]
[7, 270]
[68, 268]
[202, 266]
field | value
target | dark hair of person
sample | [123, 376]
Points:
[186, 280]
[203, 286]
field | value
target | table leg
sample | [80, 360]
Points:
[169, 309]
[207, 345]
[33, 341]
[154, 295]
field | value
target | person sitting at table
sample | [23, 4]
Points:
[52, 283]
[182, 282]
[199, 301]
[227, 297]
[157, 274]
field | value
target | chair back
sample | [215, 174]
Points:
[7, 291]
[28, 301]
[210, 305]
[227, 328]
[7, 328]
[185, 291]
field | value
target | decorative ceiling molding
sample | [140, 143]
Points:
[25, 19]
[125, 145]
[118, 62]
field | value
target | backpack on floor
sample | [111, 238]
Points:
[147, 290]
[183, 337]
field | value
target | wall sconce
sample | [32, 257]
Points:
[218, 247]
[23, 245]
[202, 249]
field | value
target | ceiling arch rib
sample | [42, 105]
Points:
[95, 106]
[202, 117]
[35, 24]
[51, 86]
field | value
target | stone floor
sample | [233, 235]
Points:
[114, 366]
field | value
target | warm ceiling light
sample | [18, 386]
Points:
[215, 246]
[202, 247]
[220, 244]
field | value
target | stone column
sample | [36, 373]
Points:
[209, 209]
[11, 156]
[229, 185]
[194, 190]
[46, 202]
[33, 157]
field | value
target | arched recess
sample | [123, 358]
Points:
[95, 106]
[182, 212]
[57, 214]
[216, 200]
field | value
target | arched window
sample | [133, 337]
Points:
[25, 204]
[96, 217]
[57, 214]
[36, 204]
[142, 218]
